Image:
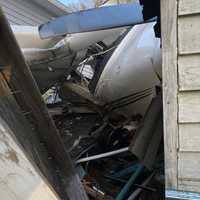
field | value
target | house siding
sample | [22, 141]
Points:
[189, 95]
[181, 91]
[23, 12]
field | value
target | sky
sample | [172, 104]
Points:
[76, 4]
[74, 1]
[67, 1]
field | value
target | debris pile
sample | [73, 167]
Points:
[115, 158]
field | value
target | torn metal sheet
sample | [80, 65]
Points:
[50, 60]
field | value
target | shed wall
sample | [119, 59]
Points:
[189, 95]
[181, 88]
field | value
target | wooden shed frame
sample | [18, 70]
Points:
[180, 21]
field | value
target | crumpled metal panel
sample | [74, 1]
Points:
[93, 20]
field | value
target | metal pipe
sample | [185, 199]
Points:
[103, 155]
[139, 190]
[127, 171]
[130, 182]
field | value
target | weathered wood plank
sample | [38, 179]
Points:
[189, 185]
[19, 178]
[189, 72]
[189, 107]
[187, 7]
[189, 166]
[189, 137]
[26, 135]
[189, 34]
[169, 47]
[31, 99]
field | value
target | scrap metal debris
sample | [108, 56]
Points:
[107, 150]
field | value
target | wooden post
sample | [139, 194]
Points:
[170, 89]
[28, 96]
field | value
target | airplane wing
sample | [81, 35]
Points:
[93, 20]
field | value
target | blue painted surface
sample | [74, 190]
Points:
[171, 194]
[93, 20]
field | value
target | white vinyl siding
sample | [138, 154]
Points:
[23, 12]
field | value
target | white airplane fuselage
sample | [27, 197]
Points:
[133, 68]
